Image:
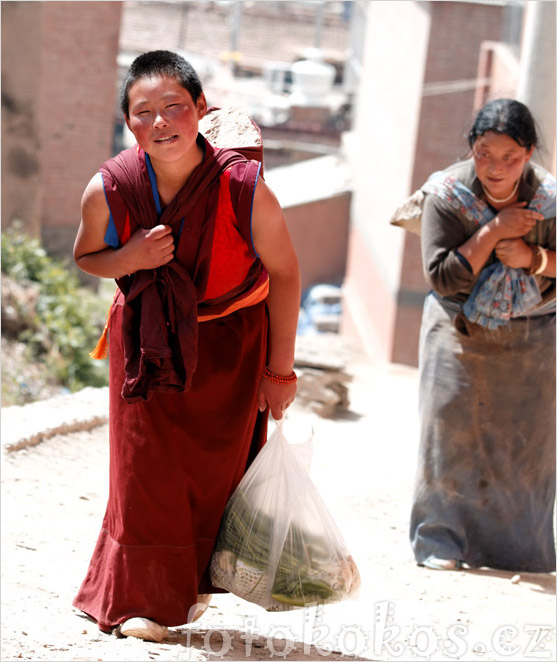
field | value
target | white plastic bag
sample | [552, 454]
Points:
[278, 545]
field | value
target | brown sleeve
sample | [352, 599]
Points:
[443, 231]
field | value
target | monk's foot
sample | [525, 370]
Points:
[143, 628]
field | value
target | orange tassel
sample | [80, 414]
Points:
[101, 350]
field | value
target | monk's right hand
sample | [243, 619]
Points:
[149, 249]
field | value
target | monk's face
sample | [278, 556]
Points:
[164, 118]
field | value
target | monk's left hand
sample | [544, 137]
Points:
[514, 253]
[278, 397]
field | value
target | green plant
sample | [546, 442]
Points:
[68, 319]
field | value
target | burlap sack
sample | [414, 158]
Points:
[409, 215]
[233, 128]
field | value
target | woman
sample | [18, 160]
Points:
[202, 333]
[485, 487]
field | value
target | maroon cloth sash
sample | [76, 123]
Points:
[160, 312]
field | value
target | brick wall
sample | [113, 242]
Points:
[21, 46]
[499, 68]
[457, 32]
[59, 77]
[76, 108]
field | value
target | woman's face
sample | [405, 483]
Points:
[499, 162]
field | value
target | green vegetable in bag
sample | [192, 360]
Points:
[278, 545]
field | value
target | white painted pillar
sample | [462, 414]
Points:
[536, 83]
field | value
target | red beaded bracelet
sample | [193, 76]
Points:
[292, 378]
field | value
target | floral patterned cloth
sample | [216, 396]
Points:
[501, 292]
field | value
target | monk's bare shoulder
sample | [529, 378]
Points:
[271, 238]
[95, 216]
[94, 207]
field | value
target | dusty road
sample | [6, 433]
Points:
[54, 495]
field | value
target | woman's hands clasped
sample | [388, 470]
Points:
[511, 224]
[514, 253]
[515, 221]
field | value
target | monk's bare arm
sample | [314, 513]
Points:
[272, 241]
[146, 249]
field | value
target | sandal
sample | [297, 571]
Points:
[143, 628]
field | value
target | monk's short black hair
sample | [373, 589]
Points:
[160, 63]
[508, 117]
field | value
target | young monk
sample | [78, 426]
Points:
[202, 333]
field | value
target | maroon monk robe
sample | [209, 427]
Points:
[174, 461]
[160, 312]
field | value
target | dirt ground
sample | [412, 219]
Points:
[53, 499]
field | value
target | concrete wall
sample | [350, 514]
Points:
[322, 223]
[381, 153]
[537, 76]
[315, 196]
[59, 84]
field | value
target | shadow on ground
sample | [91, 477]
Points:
[237, 645]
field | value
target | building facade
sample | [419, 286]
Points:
[58, 91]
[427, 66]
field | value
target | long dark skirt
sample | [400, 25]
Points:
[485, 487]
[174, 461]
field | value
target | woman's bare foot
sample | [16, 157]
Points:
[203, 601]
[441, 564]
